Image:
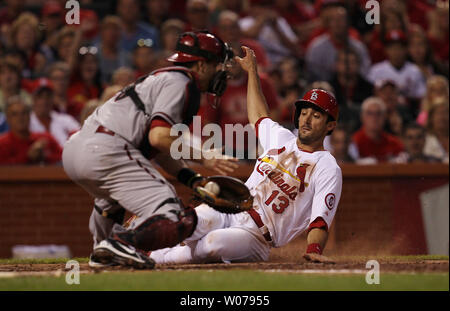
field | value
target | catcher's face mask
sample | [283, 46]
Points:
[202, 45]
[218, 83]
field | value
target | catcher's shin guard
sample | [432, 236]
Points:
[159, 232]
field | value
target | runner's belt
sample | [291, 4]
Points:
[262, 227]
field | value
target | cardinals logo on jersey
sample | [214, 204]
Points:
[273, 165]
[285, 175]
[330, 199]
[301, 173]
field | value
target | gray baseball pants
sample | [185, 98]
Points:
[117, 175]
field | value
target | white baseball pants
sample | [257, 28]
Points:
[218, 237]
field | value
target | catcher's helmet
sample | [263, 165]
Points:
[200, 45]
[322, 99]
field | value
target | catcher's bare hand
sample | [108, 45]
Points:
[248, 62]
[313, 257]
[222, 164]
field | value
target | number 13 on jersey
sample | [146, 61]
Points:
[278, 205]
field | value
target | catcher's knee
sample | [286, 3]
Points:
[160, 232]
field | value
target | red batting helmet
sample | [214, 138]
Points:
[322, 99]
[200, 45]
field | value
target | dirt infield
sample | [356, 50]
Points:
[342, 265]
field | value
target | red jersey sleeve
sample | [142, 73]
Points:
[159, 122]
[318, 223]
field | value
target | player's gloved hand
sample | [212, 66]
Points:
[190, 178]
[228, 195]
[317, 258]
[200, 182]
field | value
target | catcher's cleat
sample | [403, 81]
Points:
[95, 262]
[112, 251]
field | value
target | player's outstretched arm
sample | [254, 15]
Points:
[256, 102]
[317, 238]
[160, 138]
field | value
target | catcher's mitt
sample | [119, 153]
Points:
[234, 196]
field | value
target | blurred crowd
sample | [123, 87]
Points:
[390, 79]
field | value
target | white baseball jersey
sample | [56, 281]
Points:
[291, 187]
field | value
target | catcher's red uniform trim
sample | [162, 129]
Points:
[159, 122]
[104, 130]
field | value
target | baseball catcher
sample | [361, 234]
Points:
[110, 156]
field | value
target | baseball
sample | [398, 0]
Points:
[213, 187]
